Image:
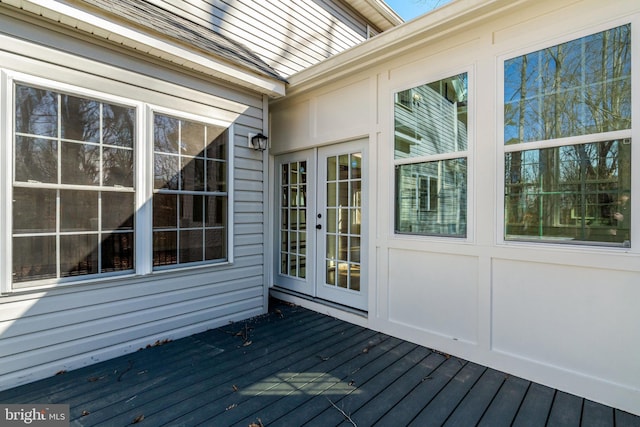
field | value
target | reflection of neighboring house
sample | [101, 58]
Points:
[430, 120]
[415, 110]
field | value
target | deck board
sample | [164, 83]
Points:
[448, 399]
[264, 387]
[333, 380]
[295, 367]
[429, 387]
[596, 415]
[505, 404]
[625, 419]
[397, 391]
[474, 405]
[212, 382]
[536, 406]
[368, 382]
[149, 386]
[566, 410]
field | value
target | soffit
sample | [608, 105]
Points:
[377, 12]
[153, 31]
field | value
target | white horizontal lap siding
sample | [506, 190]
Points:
[288, 35]
[91, 321]
[68, 327]
[248, 200]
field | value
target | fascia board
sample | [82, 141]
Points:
[151, 45]
[398, 41]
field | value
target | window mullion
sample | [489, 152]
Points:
[432, 158]
[143, 155]
[6, 191]
[572, 140]
[58, 194]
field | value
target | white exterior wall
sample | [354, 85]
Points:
[46, 330]
[566, 316]
[289, 35]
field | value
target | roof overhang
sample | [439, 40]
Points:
[433, 26]
[377, 12]
[150, 44]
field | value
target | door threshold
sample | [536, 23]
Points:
[330, 308]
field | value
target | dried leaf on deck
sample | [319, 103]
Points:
[235, 388]
[233, 405]
[85, 413]
[138, 419]
[247, 343]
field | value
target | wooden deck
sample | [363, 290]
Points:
[294, 367]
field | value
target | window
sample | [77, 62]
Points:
[80, 182]
[430, 151]
[567, 121]
[73, 188]
[190, 191]
[427, 193]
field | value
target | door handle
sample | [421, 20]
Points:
[318, 226]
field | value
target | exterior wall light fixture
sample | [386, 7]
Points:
[258, 141]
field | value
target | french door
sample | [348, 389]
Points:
[321, 222]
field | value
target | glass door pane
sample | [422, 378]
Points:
[343, 220]
[293, 219]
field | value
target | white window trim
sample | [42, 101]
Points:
[143, 183]
[6, 178]
[633, 134]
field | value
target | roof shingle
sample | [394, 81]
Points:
[156, 19]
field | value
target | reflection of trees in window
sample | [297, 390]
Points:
[83, 149]
[582, 87]
[431, 159]
[576, 88]
[190, 196]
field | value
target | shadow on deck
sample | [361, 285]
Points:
[294, 367]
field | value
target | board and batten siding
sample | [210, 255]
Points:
[45, 331]
[289, 35]
[564, 315]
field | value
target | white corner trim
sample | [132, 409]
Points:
[143, 42]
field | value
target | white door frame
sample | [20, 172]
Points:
[287, 255]
[341, 270]
[299, 280]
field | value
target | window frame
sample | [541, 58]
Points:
[620, 135]
[152, 110]
[142, 189]
[467, 154]
[10, 80]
